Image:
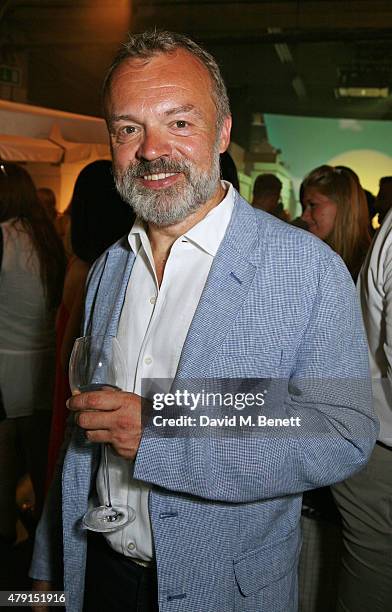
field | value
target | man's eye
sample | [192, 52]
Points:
[181, 124]
[128, 129]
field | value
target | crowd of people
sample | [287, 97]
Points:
[159, 249]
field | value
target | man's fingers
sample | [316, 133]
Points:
[113, 417]
[97, 400]
[121, 419]
[126, 451]
[117, 440]
[94, 419]
[98, 435]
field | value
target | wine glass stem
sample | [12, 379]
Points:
[106, 476]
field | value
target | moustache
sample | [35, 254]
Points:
[157, 166]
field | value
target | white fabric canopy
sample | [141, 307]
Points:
[22, 149]
[35, 134]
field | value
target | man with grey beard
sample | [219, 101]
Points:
[173, 204]
[203, 287]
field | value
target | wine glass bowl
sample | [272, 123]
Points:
[97, 363]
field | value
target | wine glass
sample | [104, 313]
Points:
[97, 363]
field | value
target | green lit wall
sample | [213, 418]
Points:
[308, 142]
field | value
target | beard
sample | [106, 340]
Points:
[171, 204]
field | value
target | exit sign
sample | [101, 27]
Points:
[10, 75]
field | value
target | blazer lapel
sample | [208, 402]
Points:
[106, 304]
[227, 286]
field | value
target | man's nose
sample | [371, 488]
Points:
[153, 145]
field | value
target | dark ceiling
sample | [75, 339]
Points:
[277, 57]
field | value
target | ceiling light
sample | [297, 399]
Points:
[299, 87]
[284, 53]
[362, 92]
[281, 49]
[362, 83]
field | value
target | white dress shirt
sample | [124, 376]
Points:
[153, 326]
[375, 289]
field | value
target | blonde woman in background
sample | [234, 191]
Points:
[335, 209]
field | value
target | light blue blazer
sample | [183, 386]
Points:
[225, 510]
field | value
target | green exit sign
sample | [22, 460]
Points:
[10, 75]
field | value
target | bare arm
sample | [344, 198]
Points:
[41, 585]
[73, 298]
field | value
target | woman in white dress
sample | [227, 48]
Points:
[32, 264]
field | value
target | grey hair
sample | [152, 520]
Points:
[147, 44]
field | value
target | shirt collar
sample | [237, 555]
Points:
[207, 234]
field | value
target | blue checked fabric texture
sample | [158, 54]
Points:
[225, 510]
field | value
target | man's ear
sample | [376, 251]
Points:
[224, 137]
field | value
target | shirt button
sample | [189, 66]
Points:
[147, 360]
[153, 299]
[131, 546]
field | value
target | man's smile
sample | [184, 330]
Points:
[159, 180]
[158, 177]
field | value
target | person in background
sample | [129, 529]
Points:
[371, 204]
[370, 198]
[31, 280]
[365, 500]
[335, 210]
[99, 217]
[384, 197]
[62, 221]
[63, 228]
[47, 198]
[266, 195]
[299, 222]
[228, 170]
[204, 287]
